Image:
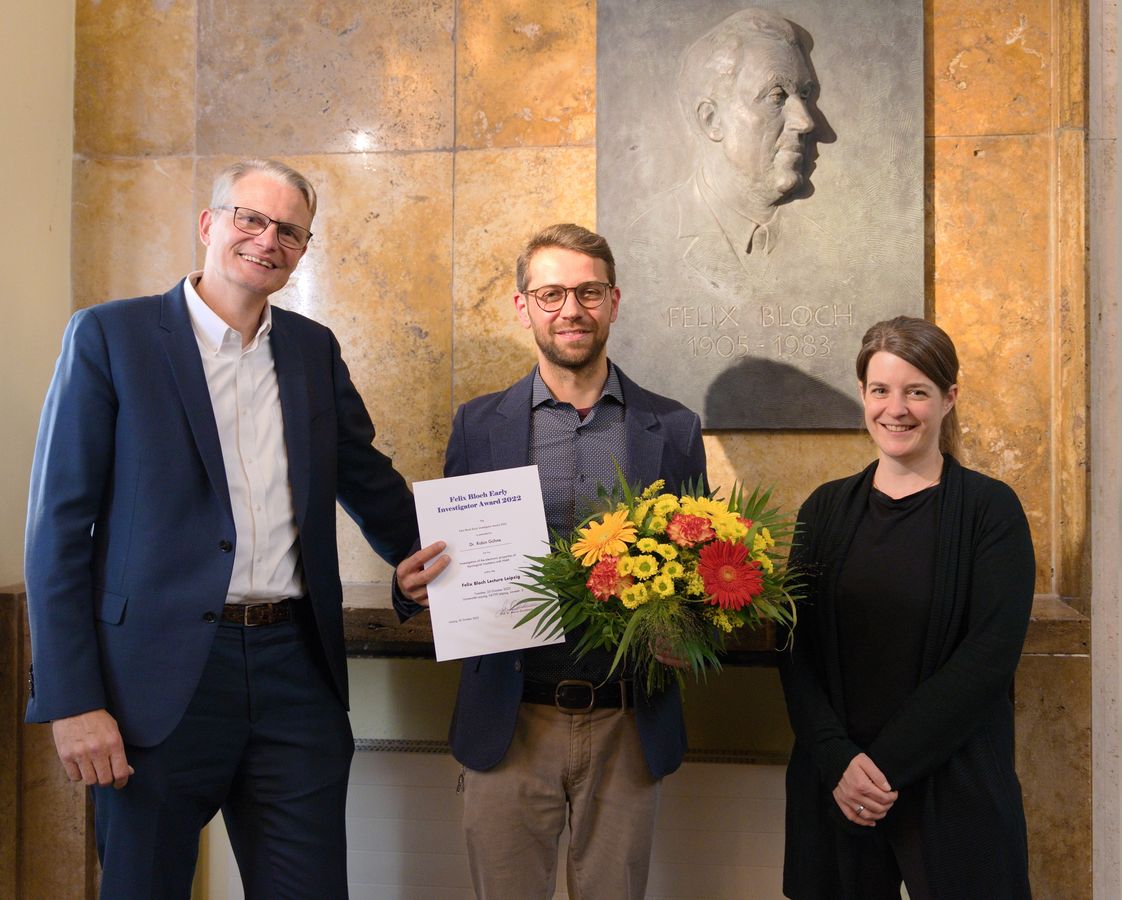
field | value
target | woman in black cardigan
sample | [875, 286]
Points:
[919, 580]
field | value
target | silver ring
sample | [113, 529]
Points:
[860, 809]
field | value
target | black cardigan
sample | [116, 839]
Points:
[952, 740]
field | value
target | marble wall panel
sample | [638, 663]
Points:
[989, 66]
[133, 226]
[502, 198]
[324, 77]
[134, 78]
[526, 73]
[792, 463]
[1053, 725]
[378, 273]
[991, 290]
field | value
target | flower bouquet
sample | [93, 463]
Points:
[665, 575]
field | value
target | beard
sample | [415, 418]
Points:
[572, 358]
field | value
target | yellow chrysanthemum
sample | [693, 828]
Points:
[667, 551]
[657, 525]
[640, 512]
[608, 537]
[623, 566]
[646, 545]
[673, 570]
[662, 585]
[703, 506]
[644, 566]
[634, 596]
[665, 505]
[729, 527]
[652, 490]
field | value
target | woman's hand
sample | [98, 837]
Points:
[863, 794]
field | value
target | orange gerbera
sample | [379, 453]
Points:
[731, 580]
[608, 537]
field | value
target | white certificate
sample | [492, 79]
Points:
[491, 522]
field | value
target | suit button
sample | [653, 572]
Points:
[225, 546]
[518, 665]
[209, 617]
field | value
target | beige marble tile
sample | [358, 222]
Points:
[991, 290]
[379, 274]
[502, 198]
[792, 463]
[134, 78]
[989, 66]
[1072, 415]
[284, 77]
[1053, 725]
[133, 227]
[526, 73]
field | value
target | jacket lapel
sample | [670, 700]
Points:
[288, 359]
[510, 433]
[182, 351]
[644, 443]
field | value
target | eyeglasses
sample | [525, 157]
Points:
[551, 297]
[295, 237]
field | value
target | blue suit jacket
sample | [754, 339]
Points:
[493, 432]
[130, 533]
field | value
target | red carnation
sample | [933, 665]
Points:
[730, 581]
[686, 531]
[605, 582]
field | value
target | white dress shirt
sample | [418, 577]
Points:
[247, 410]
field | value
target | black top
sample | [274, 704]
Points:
[884, 602]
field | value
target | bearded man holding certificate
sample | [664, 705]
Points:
[546, 737]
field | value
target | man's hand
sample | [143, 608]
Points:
[412, 576]
[863, 794]
[91, 749]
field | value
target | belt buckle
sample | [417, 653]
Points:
[573, 682]
[264, 613]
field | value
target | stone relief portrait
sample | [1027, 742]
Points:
[760, 176]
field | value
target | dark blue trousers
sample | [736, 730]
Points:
[266, 740]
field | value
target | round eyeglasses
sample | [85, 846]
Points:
[589, 294]
[295, 237]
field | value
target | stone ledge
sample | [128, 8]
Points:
[372, 630]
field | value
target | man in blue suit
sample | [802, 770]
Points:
[181, 564]
[545, 737]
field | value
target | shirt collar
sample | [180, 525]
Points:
[740, 227]
[541, 394]
[210, 328]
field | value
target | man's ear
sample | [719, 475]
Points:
[709, 119]
[206, 220]
[520, 308]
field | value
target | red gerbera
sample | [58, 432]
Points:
[730, 581]
[605, 582]
[685, 531]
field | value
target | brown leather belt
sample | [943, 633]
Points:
[254, 614]
[574, 696]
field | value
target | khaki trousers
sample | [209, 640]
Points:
[589, 766]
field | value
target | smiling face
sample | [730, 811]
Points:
[253, 265]
[573, 337]
[904, 410]
[762, 124]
